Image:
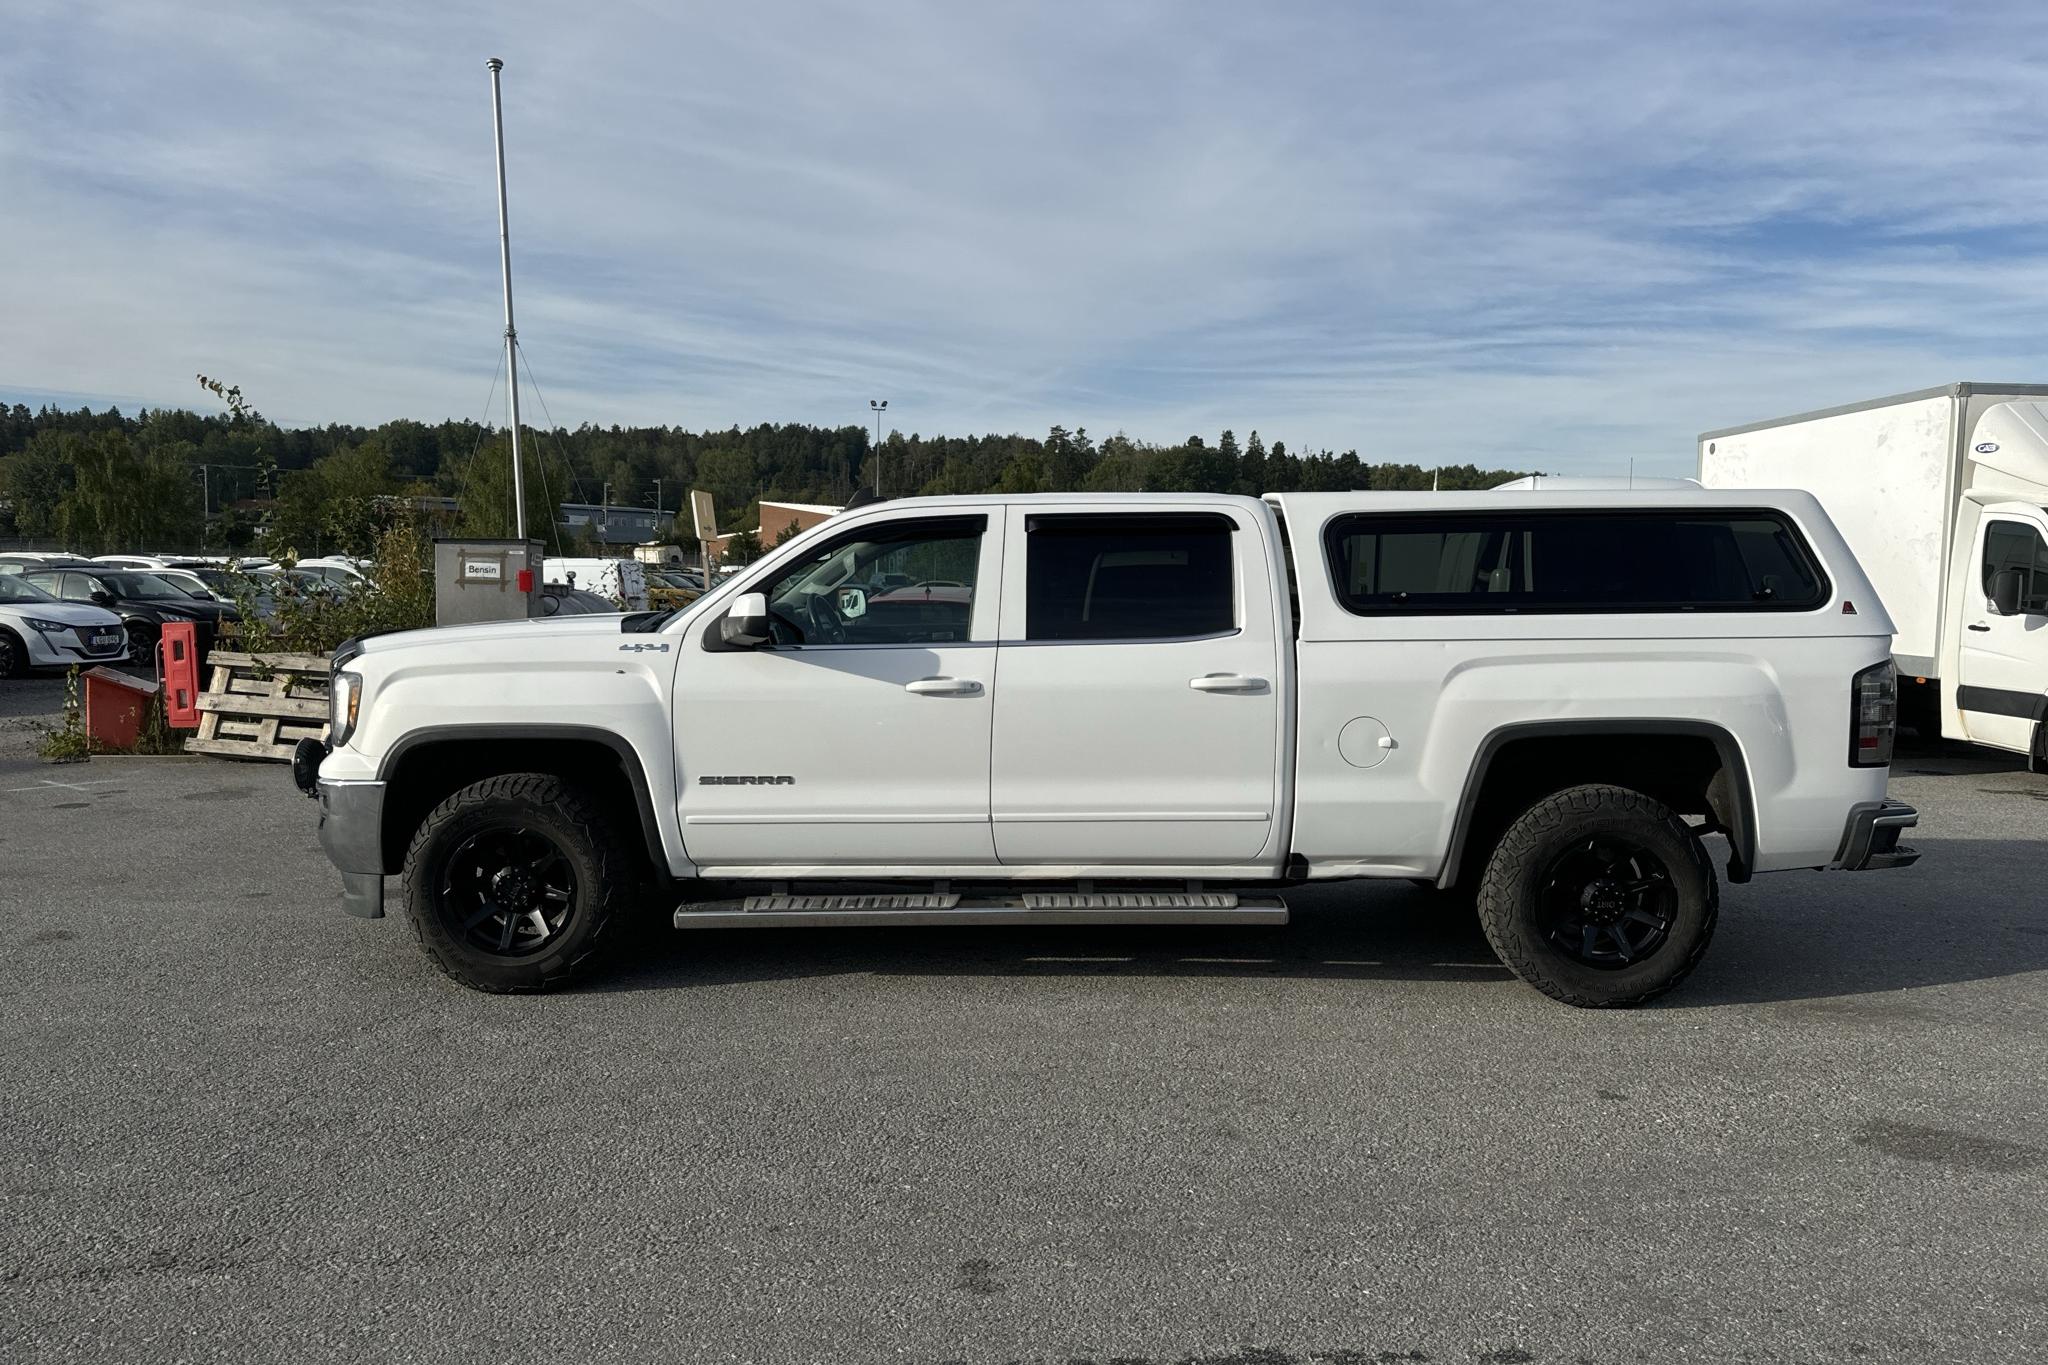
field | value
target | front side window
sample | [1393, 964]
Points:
[1625, 561]
[1128, 577]
[2016, 545]
[899, 583]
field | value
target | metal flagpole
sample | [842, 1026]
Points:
[511, 334]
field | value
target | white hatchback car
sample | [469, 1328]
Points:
[38, 631]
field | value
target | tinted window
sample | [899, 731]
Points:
[1734, 560]
[2011, 545]
[1128, 577]
[898, 583]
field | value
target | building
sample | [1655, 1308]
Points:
[777, 518]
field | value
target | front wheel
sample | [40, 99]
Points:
[13, 656]
[511, 883]
[141, 645]
[1599, 896]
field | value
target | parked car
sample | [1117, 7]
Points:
[622, 580]
[16, 561]
[559, 599]
[336, 569]
[143, 601]
[670, 588]
[38, 631]
[1147, 708]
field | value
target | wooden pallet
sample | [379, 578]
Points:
[261, 705]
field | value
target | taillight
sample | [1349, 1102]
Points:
[1873, 715]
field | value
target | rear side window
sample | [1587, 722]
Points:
[1632, 561]
[1128, 577]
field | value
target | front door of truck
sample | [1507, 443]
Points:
[858, 737]
[2004, 657]
[1139, 715]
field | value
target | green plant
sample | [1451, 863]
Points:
[67, 743]
[283, 615]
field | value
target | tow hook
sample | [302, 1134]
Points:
[306, 761]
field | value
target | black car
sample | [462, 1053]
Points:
[143, 601]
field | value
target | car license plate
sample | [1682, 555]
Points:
[106, 639]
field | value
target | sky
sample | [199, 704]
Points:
[1566, 237]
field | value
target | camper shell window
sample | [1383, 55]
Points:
[1678, 560]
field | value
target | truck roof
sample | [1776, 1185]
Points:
[1960, 389]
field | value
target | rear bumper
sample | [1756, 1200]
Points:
[1871, 837]
[351, 832]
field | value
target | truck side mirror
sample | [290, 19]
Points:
[745, 626]
[2006, 586]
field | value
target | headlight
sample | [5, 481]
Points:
[47, 627]
[347, 695]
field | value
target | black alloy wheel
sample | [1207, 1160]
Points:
[508, 891]
[141, 644]
[13, 656]
[1608, 902]
[512, 881]
[1599, 896]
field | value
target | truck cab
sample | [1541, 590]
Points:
[1146, 708]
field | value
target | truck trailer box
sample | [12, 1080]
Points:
[1910, 480]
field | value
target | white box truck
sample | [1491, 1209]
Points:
[1941, 493]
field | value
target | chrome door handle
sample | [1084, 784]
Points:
[1227, 682]
[944, 687]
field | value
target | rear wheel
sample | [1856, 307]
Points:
[1599, 896]
[512, 883]
[13, 656]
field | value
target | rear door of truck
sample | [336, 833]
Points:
[1141, 699]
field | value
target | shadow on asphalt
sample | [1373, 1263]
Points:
[1851, 934]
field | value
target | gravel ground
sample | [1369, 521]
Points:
[242, 1126]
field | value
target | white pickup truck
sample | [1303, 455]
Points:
[1147, 708]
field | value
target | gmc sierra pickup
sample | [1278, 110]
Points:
[1147, 708]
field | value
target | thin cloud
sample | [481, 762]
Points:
[1445, 234]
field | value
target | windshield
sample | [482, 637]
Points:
[13, 589]
[143, 587]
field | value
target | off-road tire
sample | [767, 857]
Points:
[609, 878]
[1510, 895]
[13, 656]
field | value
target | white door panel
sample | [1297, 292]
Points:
[880, 771]
[2003, 669]
[859, 752]
[1137, 751]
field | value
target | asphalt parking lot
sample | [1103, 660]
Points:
[242, 1126]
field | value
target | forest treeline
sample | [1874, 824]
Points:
[169, 478]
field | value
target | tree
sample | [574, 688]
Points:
[486, 495]
[128, 498]
[742, 547]
[787, 533]
[38, 479]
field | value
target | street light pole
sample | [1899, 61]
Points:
[879, 408]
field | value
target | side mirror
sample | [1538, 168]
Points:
[102, 597]
[2006, 586]
[745, 626]
[853, 603]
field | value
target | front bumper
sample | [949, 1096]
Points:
[351, 832]
[1871, 837]
[61, 649]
